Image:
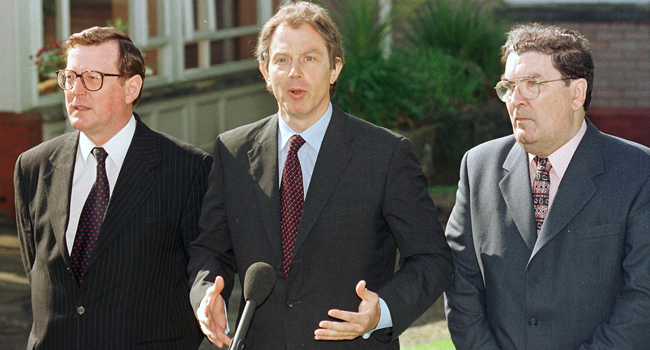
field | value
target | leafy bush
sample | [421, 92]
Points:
[436, 85]
[461, 28]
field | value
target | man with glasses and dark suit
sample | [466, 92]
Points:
[106, 214]
[551, 229]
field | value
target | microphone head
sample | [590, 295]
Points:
[259, 282]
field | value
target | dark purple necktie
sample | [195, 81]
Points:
[91, 219]
[291, 200]
[541, 189]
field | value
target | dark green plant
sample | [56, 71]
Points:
[461, 28]
[369, 86]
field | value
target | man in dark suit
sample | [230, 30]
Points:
[325, 199]
[106, 214]
[551, 229]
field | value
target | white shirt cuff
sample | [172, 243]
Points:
[385, 320]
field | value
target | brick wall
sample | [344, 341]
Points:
[18, 133]
[622, 59]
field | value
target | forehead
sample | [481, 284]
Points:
[529, 65]
[102, 58]
[302, 39]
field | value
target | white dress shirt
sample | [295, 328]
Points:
[85, 172]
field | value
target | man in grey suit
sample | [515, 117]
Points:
[106, 214]
[550, 233]
[326, 199]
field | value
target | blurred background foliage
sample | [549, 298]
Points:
[434, 80]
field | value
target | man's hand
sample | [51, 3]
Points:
[356, 323]
[212, 316]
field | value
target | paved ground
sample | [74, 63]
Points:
[15, 303]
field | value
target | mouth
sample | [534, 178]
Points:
[296, 93]
[80, 108]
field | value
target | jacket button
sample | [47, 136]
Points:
[81, 310]
[532, 322]
[289, 303]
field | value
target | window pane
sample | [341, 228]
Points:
[152, 63]
[246, 47]
[191, 56]
[89, 13]
[246, 12]
[153, 9]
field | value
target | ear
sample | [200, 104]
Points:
[338, 65]
[264, 71]
[579, 93]
[133, 85]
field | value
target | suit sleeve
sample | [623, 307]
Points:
[23, 218]
[425, 259]
[211, 254]
[193, 203]
[465, 298]
[628, 326]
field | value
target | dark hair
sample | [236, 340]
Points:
[129, 62]
[295, 15]
[570, 51]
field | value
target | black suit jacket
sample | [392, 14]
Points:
[135, 293]
[584, 283]
[367, 197]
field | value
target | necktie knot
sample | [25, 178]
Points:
[543, 164]
[100, 154]
[295, 142]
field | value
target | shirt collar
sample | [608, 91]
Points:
[561, 158]
[116, 147]
[313, 135]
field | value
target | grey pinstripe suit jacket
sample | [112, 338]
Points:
[136, 290]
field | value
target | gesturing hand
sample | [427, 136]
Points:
[355, 323]
[212, 316]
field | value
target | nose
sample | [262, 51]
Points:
[78, 87]
[516, 98]
[296, 70]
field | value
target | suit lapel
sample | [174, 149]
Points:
[333, 158]
[515, 188]
[576, 188]
[135, 181]
[58, 184]
[263, 160]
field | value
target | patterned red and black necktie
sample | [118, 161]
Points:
[541, 189]
[291, 200]
[92, 216]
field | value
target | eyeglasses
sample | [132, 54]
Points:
[91, 80]
[527, 88]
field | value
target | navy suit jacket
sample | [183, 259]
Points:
[136, 290]
[584, 283]
[367, 198]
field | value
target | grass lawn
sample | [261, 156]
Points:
[444, 344]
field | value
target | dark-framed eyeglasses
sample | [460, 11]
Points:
[91, 80]
[528, 88]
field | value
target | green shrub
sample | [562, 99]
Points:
[461, 28]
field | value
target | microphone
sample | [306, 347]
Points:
[258, 284]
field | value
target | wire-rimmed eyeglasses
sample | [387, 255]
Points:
[528, 88]
[91, 80]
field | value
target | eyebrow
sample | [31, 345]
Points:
[524, 76]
